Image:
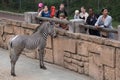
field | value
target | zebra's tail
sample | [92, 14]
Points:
[10, 41]
[10, 44]
[10, 48]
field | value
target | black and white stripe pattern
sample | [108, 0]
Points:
[36, 40]
[45, 34]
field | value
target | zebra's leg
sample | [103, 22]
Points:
[41, 58]
[14, 57]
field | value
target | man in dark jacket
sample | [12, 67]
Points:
[91, 20]
[61, 10]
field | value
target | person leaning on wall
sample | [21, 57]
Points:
[76, 15]
[61, 11]
[91, 20]
[39, 12]
[45, 12]
[83, 14]
[105, 21]
[40, 8]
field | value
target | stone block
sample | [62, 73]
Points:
[113, 43]
[6, 40]
[96, 58]
[17, 30]
[60, 32]
[7, 21]
[61, 44]
[66, 59]
[22, 31]
[117, 64]
[84, 37]
[72, 35]
[82, 48]
[86, 68]
[108, 56]
[77, 57]
[58, 50]
[93, 39]
[96, 39]
[109, 73]
[95, 48]
[67, 54]
[1, 42]
[30, 17]
[74, 67]
[75, 35]
[95, 67]
[80, 63]
[71, 66]
[75, 61]
[66, 65]
[85, 59]
[16, 23]
[49, 42]
[80, 70]
[8, 29]
[70, 45]
[29, 25]
[118, 32]
[49, 56]
[28, 31]
[1, 29]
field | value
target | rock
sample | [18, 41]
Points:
[49, 56]
[109, 73]
[117, 64]
[108, 56]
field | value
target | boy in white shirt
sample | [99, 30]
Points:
[76, 16]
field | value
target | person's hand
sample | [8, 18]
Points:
[96, 27]
[57, 25]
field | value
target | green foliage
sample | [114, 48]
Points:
[72, 5]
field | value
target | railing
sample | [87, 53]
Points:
[107, 30]
[11, 15]
[30, 17]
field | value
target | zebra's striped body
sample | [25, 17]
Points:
[36, 40]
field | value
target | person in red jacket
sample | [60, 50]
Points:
[53, 11]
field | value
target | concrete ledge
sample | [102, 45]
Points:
[11, 13]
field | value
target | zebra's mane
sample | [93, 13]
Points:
[42, 27]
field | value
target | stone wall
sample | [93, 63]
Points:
[90, 55]
[11, 15]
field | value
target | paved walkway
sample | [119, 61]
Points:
[28, 69]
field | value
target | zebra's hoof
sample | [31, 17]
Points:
[12, 74]
[43, 67]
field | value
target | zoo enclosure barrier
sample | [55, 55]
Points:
[79, 26]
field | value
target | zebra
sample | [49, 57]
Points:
[33, 41]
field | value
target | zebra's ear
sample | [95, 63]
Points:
[49, 24]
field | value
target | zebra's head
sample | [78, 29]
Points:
[47, 29]
[51, 29]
